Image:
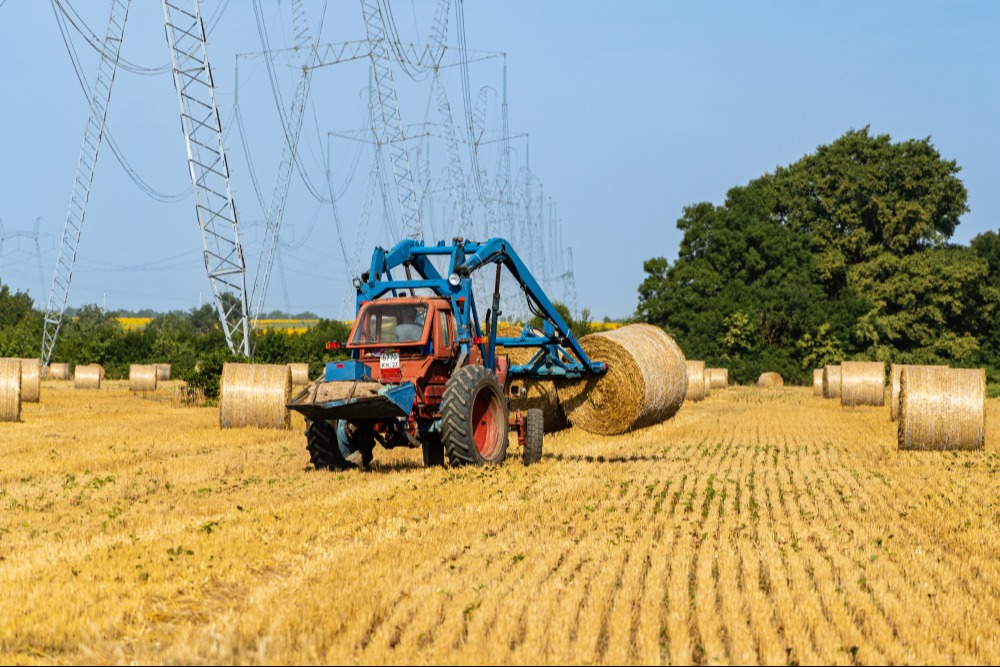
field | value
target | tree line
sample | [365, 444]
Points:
[845, 254]
[192, 342]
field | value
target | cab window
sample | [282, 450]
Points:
[445, 332]
[391, 323]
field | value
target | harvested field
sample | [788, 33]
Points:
[761, 526]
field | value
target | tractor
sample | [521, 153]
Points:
[423, 371]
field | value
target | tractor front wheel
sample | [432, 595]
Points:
[338, 446]
[474, 418]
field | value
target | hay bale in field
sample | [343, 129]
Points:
[300, 373]
[10, 390]
[539, 394]
[88, 376]
[941, 408]
[31, 380]
[770, 379]
[718, 376]
[696, 381]
[831, 381]
[58, 372]
[142, 377]
[255, 395]
[862, 383]
[818, 382]
[163, 372]
[645, 382]
[895, 370]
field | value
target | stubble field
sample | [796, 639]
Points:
[758, 526]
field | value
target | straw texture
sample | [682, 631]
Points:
[162, 372]
[719, 377]
[645, 382]
[862, 383]
[696, 381]
[770, 379]
[818, 382]
[708, 386]
[31, 380]
[10, 390]
[831, 381]
[539, 394]
[142, 377]
[895, 370]
[941, 408]
[88, 377]
[58, 372]
[300, 373]
[255, 395]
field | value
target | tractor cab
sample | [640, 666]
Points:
[403, 338]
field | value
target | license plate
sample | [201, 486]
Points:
[389, 360]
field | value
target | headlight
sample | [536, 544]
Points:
[454, 280]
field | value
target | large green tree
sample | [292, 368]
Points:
[843, 253]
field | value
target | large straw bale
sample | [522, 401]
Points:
[770, 379]
[696, 381]
[817, 382]
[831, 381]
[645, 382]
[142, 377]
[31, 380]
[539, 394]
[58, 371]
[10, 390]
[255, 395]
[300, 374]
[163, 372]
[88, 376]
[718, 376]
[862, 383]
[941, 408]
[895, 370]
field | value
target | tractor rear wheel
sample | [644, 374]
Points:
[534, 428]
[474, 418]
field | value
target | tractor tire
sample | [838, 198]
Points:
[474, 418]
[324, 452]
[534, 426]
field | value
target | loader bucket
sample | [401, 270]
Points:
[354, 400]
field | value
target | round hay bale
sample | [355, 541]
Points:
[831, 381]
[895, 370]
[88, 376]
[31, 380]
[941, 408]
[58, 372]
[142, 377]
[255, 395]
[862, 383]
[818, 382]
[539, 394]
[696, 381]
[162, 372]
[645, 382]
[770, 379]
[300, 373]
[718, 376]
[10, 390]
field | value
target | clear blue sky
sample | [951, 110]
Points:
[631, 110]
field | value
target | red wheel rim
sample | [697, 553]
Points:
[484, 423]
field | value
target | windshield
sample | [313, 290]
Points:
[391, 323]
